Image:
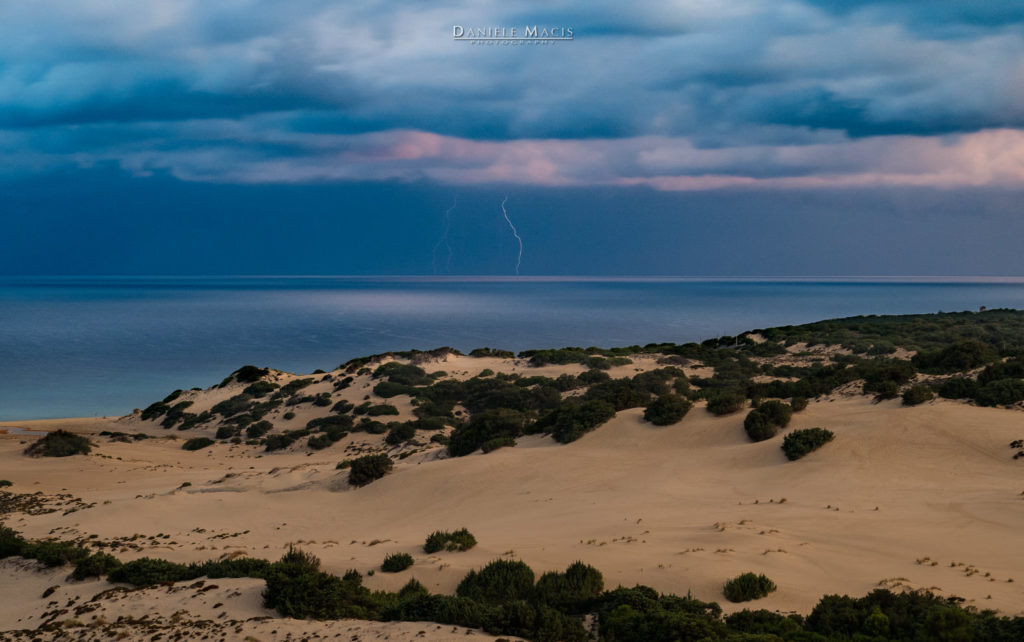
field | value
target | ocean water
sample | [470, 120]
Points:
[85, 347]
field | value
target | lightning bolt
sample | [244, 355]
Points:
[519, 259]
[444, 239]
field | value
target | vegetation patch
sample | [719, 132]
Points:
[805, 441]
[396, 563]
[748, 586]
[368, 468]
[916, 395]
[458, 540]
[667, 410]
[765, 421]
[197, 443]
[59, 443]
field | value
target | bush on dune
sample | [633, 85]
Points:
[746, 587]
[59, 443]
[1001, 392]
[916, 395]
[458, 540]
[484, 427]
[368, 468]
[497, 582]
[958, 357]
[765, 421]
[400, 432]
[958, 388]
[573, 591]
[726, 402]
[396, 563]
[667, 409]
[498, 442]
[297, 588]
[54, 552]
[381, 410]
[572, 420]
[96, 565]
[802, 442]
[197, 443]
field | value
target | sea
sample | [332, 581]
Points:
[82, 347]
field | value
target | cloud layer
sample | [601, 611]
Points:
[692, 94]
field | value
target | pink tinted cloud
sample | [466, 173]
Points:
[990, 157]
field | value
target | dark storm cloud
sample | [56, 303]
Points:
[253, 89]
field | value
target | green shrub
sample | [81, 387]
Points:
[589, 377]
[322, 400]
[342, 407]
[1001, 392]
[885, 390]
[288, 416]
[260, 389]
[388, 389]
[281, 440]
[11, 542]
[403, 373]
[958, 357]
[380, 410]
[798, 404]
[483, 427]
[765, 623]
[60, 443]
[297, 588]
[881, 374]
[491, 352]
[958, 388]
[573, 591]
[232, 406]
[498, 442]
[258, 429]
[226, 432]
[368, 468]
[400, 432]
[4, 483]
[319, 442]
[917, 395]
[801, 442]
[293, 386]
[249, 374]
[197, 443]
[622, 394]
[667, 409]
[459, 540]
[54, 552]
[146, 571]
[572, 420]
[765, 421]
[396, 563]
[154, 411]
[96, 565]
[746, 587]
[371, 426]
[726, 402]
[498, 582]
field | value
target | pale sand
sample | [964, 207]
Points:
[680, 508]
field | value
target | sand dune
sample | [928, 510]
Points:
[922, 497]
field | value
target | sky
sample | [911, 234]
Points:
[692, 138]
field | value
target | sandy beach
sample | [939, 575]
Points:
[923, 497]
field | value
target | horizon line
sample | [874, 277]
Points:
[1009, 279]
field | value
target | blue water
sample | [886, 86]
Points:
[84, 347]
